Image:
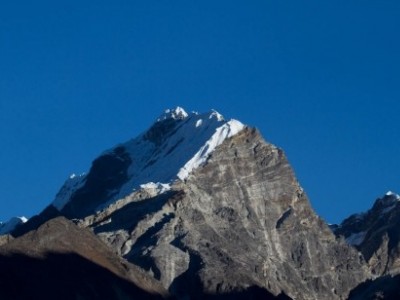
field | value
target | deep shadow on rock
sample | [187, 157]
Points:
[251, 293]
[108, 173]
[133, 213]
[62, 276]
[386, 287]
[70, 276]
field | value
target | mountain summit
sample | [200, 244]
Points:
[195, 207]
[175, 145]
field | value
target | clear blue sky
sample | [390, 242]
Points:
[321, 79]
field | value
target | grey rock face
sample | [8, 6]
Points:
[376, 234]
[241, 220]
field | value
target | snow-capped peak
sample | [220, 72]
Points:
[163, 154]
[11, 224]
[177, 113]
[188, 147]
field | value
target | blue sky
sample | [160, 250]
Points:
[320, 79]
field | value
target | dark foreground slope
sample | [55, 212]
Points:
[62, 261]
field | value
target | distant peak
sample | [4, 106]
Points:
[177, 113]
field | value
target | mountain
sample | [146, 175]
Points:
[197, 207]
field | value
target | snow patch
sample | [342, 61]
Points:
[11, 224]
[227, 130]
[199, 122]
[356, 239]
[159, 187]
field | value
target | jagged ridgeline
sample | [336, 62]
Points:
[195, 207]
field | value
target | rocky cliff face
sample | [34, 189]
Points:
[202, 208]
